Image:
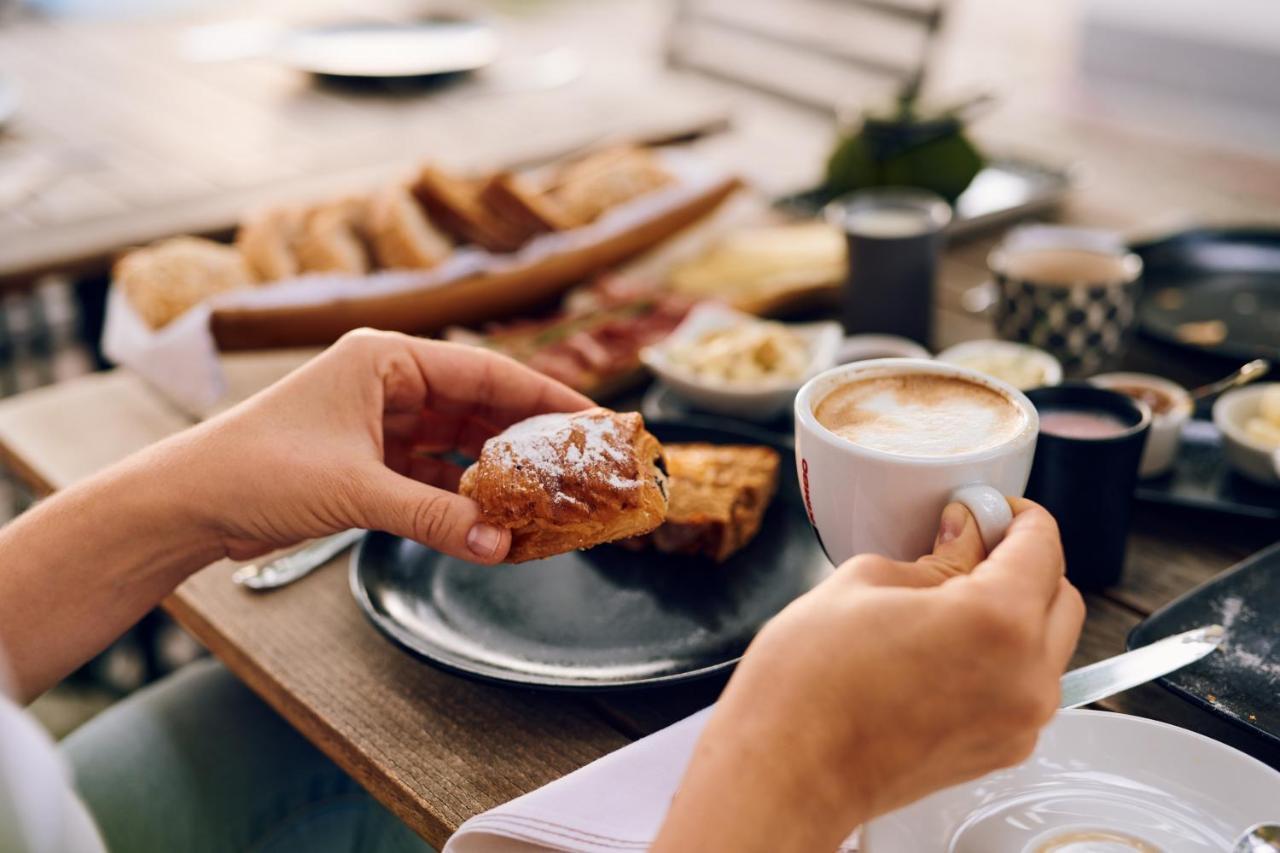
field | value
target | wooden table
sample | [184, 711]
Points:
[436, 748]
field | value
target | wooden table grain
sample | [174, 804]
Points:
[436, 748]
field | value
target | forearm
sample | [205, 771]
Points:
[747, 789]
[80, 568]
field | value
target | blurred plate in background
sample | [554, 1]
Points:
[1215, 290]
[388, 50]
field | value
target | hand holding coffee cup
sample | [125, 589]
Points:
[883, 446]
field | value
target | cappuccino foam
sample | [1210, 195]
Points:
[920, 414]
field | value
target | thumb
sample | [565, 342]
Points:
[958, 548]
[439, 519]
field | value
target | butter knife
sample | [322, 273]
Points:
[298, 564]
[1113, 675]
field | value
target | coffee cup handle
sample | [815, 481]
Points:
[989, 508]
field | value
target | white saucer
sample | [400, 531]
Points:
[1178, 791]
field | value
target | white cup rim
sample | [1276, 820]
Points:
[805, 418]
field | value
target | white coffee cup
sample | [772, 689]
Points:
[862, 500]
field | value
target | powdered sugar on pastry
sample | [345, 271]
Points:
[568, 445]
[571, 480]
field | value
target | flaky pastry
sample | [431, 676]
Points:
[571, 480]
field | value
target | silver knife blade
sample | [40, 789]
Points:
[1107, 677]
[298, 564]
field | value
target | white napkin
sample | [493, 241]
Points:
[614, 804]
[181, 359]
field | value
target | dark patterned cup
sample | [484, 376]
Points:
[1069, 291]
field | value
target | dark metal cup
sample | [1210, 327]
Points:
[894, 236]
[1087, 483]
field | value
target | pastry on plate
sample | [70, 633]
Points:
[267, 237]
[718, 497]
[332, 238]
[564, 481]
[166, 278]
[400, 234]
[454, 204]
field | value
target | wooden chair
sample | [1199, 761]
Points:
[833, 55]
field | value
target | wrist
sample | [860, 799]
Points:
[757, 786]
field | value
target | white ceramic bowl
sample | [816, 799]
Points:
[1166, 427]
[967, 353]
[1248, 456]
[757, 401]
[1177, 790]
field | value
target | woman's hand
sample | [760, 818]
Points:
[352, 439]
[885, 683]
[356, 438]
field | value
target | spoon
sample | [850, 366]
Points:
[1262, 838]
[1246, 374]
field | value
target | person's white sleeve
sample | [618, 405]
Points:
[39, 809]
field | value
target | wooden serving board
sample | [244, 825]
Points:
[471, 300]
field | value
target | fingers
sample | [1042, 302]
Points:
[492, 387]
[1063, 624]
[958, 547]
[873, 570]
[1030, 557]
[437, 518]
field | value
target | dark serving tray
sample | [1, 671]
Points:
[1221, 282]
[1202, 479]
[1240, 682]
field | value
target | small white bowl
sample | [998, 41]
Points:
[1251, 458]
[864, 347]
[967, 353]
[1166, 427]
[758, 401]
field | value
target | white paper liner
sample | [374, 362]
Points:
[181, 359]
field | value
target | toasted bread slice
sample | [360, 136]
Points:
[588, 187]
[332, 238]
[266, 239]
[718, 498]
[454, 204]
[517, 201]
[400, 234]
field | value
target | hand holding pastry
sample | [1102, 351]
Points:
[353, 439]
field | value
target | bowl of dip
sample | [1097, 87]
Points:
[1022, 366]
[726, 361]
[1170, 406]
[1249, 420]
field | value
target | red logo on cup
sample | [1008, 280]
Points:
[804, 479]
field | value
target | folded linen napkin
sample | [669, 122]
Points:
[613, 805]
[616, 803]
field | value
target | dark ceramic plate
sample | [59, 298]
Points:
[1241, 680]
[1202, 479]
[593, 620]
[1215, 290]
[1006, 190]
